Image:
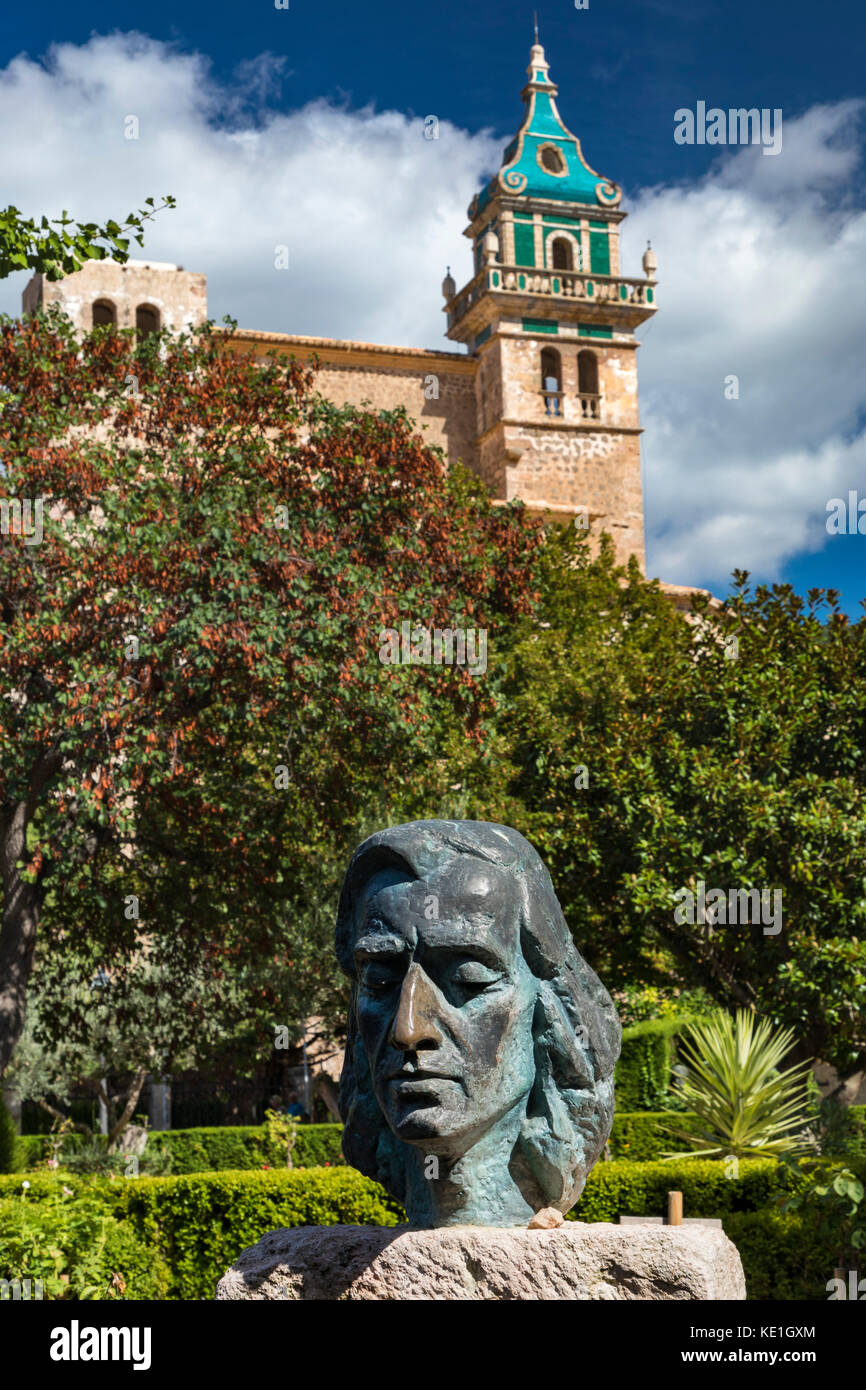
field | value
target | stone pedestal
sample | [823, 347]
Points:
[574, 1261]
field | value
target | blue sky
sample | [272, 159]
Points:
[318, 111]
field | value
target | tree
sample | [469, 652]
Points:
[195, 715]
[653, 754]
[109, 1031]
[59, 246]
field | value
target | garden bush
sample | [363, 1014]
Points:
[784, 1256]
[202, 1222]
[643, 1135]
[640, 1189]
[76, 1248]
[207, 1150]
[642, 1077]
[196, 1225]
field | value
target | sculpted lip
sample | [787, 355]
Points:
[421, 1076]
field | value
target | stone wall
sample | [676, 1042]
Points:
[436, 388]
[487, 409]
[178, 295]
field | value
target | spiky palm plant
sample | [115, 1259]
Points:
[746, 1107]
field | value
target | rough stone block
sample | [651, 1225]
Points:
[574, 1261]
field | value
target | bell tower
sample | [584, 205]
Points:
[551, 320]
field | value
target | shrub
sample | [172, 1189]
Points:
[245, 1146]
[202, 1222]
[643, 1135]
[197, 1225]
[643, 1073]
[225, 1147]
[77, 1249]
[784, 1256]
[640, 1189]
[732, 1081]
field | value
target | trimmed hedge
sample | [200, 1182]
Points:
[202, 1222]
[100, 1256]
[643, 1073]
[639, 1136]
[245, 1146]
[640, 1189]
[642, 1135]
[785, 1256]
[197, 1225]
[223, 1147]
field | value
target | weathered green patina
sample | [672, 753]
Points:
[478, 1080]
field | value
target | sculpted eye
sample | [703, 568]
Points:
[472, 977]
[378, 977]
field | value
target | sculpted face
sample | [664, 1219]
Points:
[445, 1003]
[480, 1047]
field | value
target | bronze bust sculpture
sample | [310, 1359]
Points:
[478, 1079]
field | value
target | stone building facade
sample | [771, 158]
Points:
[542, 400]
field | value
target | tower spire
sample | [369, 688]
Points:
[535, 19]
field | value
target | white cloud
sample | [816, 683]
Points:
[760, 265]
[371, 210]
[759, 277]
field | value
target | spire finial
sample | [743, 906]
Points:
[535, 20]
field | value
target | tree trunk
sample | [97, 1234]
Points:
[126, 1114]
[329, 1093]
[64, 1119]
[18, 929]
[21, 903]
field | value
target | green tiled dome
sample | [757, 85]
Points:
[544, 160]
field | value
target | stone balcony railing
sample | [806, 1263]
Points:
[589, 403]
[558, 284]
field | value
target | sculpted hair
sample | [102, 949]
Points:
[576, 1032]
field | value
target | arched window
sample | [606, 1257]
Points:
[562, 254]
[104, 314]
[146, 320]
[587, 383]
[551, 380]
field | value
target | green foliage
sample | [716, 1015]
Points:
[643, 1073]
[746, 774]
[642, 1136]
[646, 1003]
[12, 1152]
[784, 1256]
[59, 246]
[194, 1150]
[92, 1154]
[77, 1248]
[731, 1080]
[840, 1129]
[198, 1225]
[835, 1199]
[256, 540]
[281, 1133]
[202, 1223]
[640, 1189]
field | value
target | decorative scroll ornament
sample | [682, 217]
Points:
[608, 194]
[514, 181]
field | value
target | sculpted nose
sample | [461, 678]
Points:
[415, 1023]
